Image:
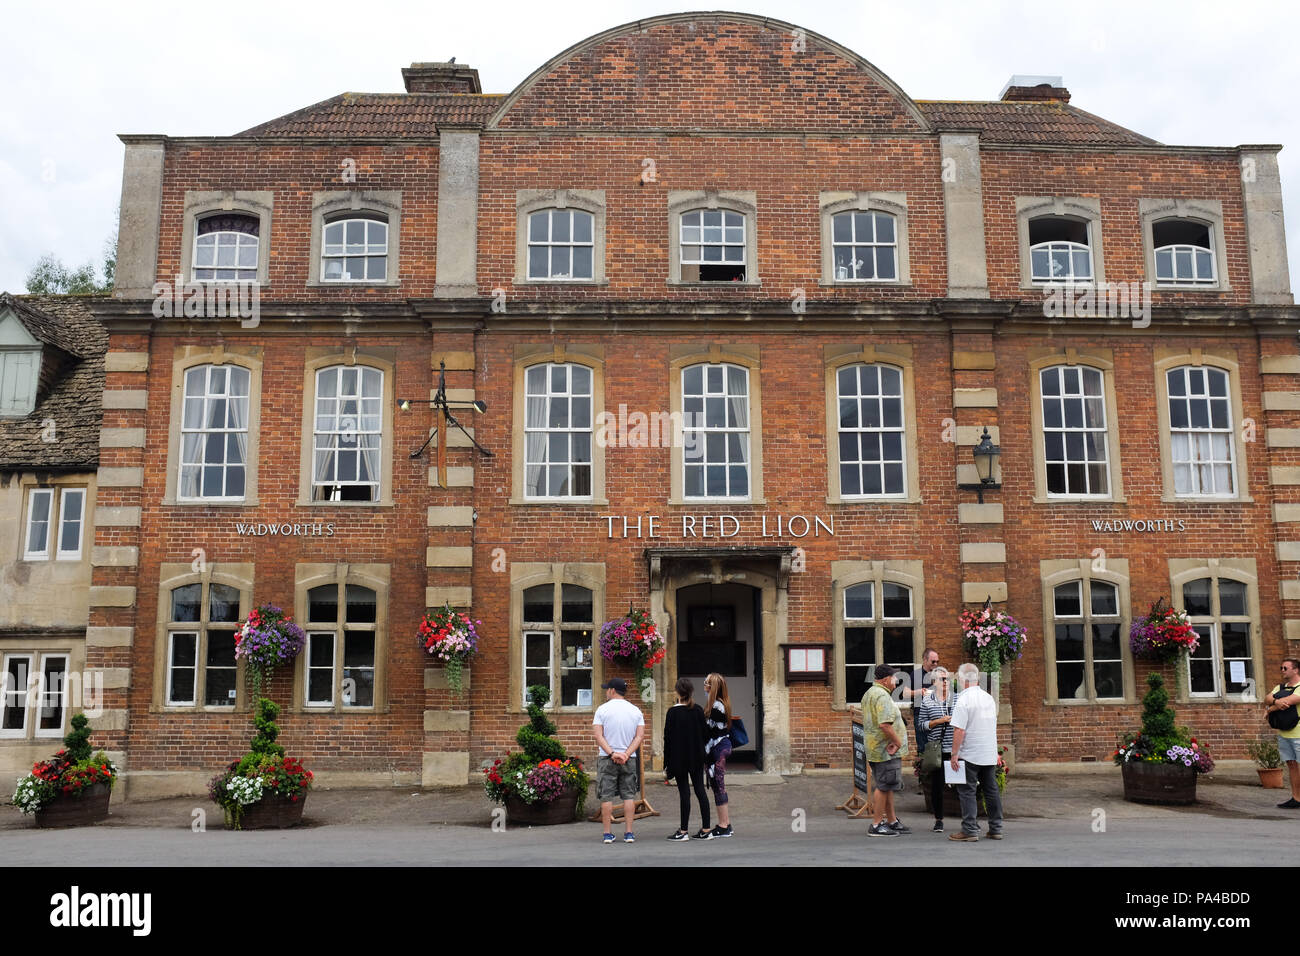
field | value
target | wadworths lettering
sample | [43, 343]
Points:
[1167, 525]
[286, 530]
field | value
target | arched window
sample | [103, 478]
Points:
[561, 244]
[1220, 611]
[715, 431]
[347, 443]
[558, 431]
[712, 246]
[355, 249]
[558, 642]
[865, 246]
[1184, 252]
[225, 248]
[1059, 250]
[1075, 431]
[1200, 431]
[871, 430]
[214, 433]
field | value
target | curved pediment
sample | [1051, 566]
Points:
[709, 71]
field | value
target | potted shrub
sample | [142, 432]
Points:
[634, 638]
[72, 788]
[264, 789]
[542, 785]
[450, 636]
[1268, 762]
[1161, 762]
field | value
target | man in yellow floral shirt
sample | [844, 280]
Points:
[886, 742]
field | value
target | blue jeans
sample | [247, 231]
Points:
[986, 776]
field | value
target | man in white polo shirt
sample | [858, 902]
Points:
[975, 740]
[619, 727]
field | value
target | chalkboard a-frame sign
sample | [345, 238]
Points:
[859, 802]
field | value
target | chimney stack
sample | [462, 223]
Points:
[1025, 88]
[449, 77]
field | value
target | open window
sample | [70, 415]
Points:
[713, 246]
[1059, 250]
[1184, 252]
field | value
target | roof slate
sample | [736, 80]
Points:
[1051, 122]
[74, 400]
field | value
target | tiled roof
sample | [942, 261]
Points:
[1050, 123]
[73, 399]
[420, 114]
[381, 114]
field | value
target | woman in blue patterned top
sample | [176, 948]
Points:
[934, 716]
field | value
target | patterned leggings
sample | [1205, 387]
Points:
[718, 774]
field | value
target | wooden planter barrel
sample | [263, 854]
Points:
[76, 809]
[272, 812]
[563, 809]
[1160, 783]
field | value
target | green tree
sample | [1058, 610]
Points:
[51, 277]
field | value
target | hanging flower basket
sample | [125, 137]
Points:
[992, 638]
[266, 640]
[1163, 635]
[450, 636]
[633, 638]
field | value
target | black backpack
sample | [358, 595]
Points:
[1284, 719]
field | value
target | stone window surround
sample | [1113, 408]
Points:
[373, 576]
[528, 201]
[1207, 211]
[170, 577]
[1054, 573]
[900, 357]
[201, 203]
[1182, 570]
[1168, 358]
[385, 204]
[682, 201]
[524, 575]
[845, 574]
[186, 357]
[1103, 360]
[894, 203]
[38, 649]
[1080, 208]
[593, 358]
[82, 482]
[321, 357]
[746, 356]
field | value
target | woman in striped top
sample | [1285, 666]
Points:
[935, 717]
[717, 747]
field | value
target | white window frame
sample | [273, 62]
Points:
[24, 692]
[44, 694]
[60, 553]
[881, 430]
[548, 395]
[1064, 430]
[360, 396]
[689, 429]
[724, 243]
[551, 245]
[1197, 281]
[1214, 622]
[1071, 249]
[51, 524]
[1194, 465]
[330, 638]
[239, 245]
[201, 630]
[877, 624]
[338, 630]
[370, 250]
[1085, 619]
[172, 634]
[854, 243]
[532, 631]
[205, 397]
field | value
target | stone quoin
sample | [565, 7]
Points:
[815, 292]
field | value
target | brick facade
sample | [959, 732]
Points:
[727, 104]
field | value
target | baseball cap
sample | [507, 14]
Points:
[884, 670]
[617, 683]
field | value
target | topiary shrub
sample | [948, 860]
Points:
[77, 742]
[1157, 716]
[537, 737]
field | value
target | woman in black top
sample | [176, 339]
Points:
[934, 716]
[684, 757]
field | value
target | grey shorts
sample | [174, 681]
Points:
[1288, 748]
[616, 781]
[888, 774]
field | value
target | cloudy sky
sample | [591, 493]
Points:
[79, 73]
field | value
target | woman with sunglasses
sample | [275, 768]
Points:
[935, 717]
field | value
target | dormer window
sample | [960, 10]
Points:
[20, 366]
[225, 248]
[1184, 252]
[1059, 250]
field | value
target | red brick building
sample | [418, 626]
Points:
[739, 310]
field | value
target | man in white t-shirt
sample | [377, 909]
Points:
[975, 740]
[619, 727]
